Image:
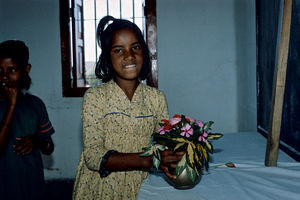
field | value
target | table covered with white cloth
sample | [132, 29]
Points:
[249, 180]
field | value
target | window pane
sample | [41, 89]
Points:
[98, 51]
[89, 50]
[138, 8]
[129, 19]
[114, 8]
[139, 23]
[94, 10]
[89, 40]
[101, 9]
[127, 9]
[88, 9]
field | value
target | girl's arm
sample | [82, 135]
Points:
[41, 139]
[11, 95]
[133, 161]
[25, 145]
[93, 146]
[5, 126]
[128, 161]
[46, 145]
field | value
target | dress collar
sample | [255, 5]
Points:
[119, 92]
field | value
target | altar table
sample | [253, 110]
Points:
[249, 180]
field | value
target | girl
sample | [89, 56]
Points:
[25, 129]
[119, 117]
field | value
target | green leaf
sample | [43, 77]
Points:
[197, 172]
[160, 147]
[156, 154]
[148, 151]
[209, 146]
[203, 151]
[156, 162]
[181, 165]
[180, 140]
[154, 151]
[147, 148]
[207, 125]
[191, 173]
[190, 154]
[214, 136]
[179, 145]
[198, 162]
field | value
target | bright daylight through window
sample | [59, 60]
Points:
[93, 11]
[78, 24]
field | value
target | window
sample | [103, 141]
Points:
[78, 23]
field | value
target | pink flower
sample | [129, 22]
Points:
[200, 123]
[174, 121]
[189, 119]
[187, 131]
[162, 131]
[203, 137]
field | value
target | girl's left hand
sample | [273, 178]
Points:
[24, 145]
[169, 161]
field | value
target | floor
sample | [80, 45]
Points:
[59, 189]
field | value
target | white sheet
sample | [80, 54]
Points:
[250, 180]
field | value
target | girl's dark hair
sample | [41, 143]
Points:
[104, 69]
[19, 53]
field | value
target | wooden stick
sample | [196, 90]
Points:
[278, 87]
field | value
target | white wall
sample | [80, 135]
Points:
[207, 61]
[37, 23]
[1, 17]
[206, 66]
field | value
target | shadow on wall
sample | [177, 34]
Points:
[47, 161]
[245, 30]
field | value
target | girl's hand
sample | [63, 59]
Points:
[11, 93]
[169, 160]
[24, 145]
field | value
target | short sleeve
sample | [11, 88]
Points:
[92, 125]
[45, 128]
[162, 109]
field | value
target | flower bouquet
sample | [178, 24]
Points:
[182, 133]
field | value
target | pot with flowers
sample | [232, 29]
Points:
[182, 133]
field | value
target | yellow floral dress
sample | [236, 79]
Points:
[111, 121]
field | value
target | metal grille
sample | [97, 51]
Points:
[93, 11]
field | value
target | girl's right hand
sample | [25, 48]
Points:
[169, 160]
[11, 94]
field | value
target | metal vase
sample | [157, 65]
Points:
[183, 181]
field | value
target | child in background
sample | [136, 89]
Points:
[119, 117]
[25, 130]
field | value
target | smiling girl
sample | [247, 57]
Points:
[119, 117]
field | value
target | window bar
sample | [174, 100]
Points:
[133, 16]
[95, 17]
[120, 9]
[107, 7]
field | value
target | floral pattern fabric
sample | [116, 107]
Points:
[111, 121]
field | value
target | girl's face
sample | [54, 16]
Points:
[10, 73]
[126, 55]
